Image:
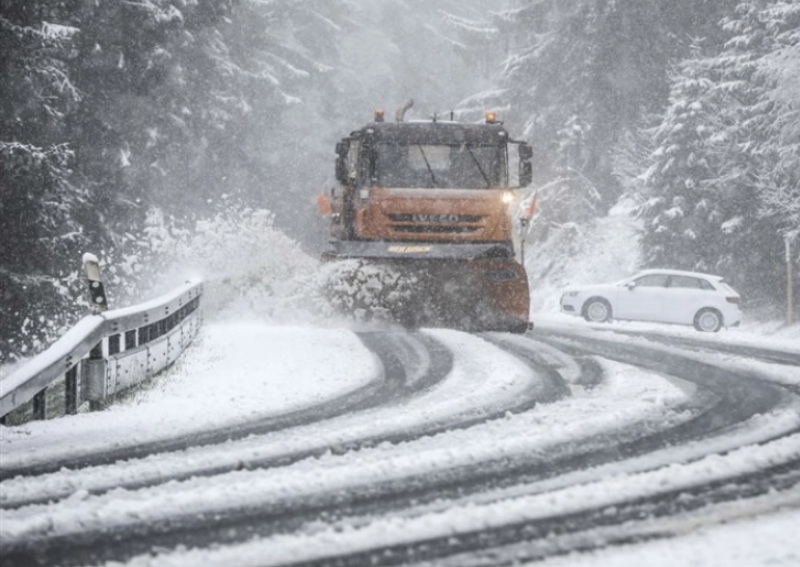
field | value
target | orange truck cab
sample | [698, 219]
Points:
[435, 196]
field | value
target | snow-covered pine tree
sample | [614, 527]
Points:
[585, 74]
[752, 249]
[682, 208]
[46, 218]
[708, 218]
[779, 182]
[290, 52]
[579, 73]
[151, 80]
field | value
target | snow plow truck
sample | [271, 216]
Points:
[429, 202]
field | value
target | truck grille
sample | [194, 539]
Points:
[436, 224]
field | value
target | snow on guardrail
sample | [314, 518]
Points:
[102, 355]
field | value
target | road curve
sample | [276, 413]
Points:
[544, 444]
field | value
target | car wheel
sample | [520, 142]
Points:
[597, 310]
[708, 320]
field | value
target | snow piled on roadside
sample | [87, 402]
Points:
[233, 373]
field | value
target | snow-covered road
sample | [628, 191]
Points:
[297, 445]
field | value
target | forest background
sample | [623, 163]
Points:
[123, 120]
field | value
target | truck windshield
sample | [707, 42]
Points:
[445, 166]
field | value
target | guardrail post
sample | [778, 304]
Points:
[71, 391]
[93, 377]
[40, 405]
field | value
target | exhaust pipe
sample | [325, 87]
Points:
[401, 112]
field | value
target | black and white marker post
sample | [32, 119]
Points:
[94, 369]
[97, 292]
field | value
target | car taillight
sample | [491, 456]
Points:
[734, 300]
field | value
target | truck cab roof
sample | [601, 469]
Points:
[429, 132]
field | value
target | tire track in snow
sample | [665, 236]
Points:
[392, 496]
[741, 394]
[693, 429]
[785, 361]
[484, 538]
[530, 396]
[411, 363]
[750, 351]
[411, 369]
[585, 530]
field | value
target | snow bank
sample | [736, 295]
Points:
[233, 373]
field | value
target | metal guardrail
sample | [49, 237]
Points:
[103, 355]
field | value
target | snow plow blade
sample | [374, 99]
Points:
[471, 287]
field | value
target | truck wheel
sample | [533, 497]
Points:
[708, 320]
[597, 310]
[521, 327]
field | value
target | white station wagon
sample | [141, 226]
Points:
[663, 296]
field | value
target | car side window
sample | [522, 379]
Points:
[686, 282]
[652, 280]
[707, 286]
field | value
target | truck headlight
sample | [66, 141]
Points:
[507, 198]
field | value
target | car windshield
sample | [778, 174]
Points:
[446, 166]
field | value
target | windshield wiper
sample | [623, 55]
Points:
[428, 165]
[478, 165]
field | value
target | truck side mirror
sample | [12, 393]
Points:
[525, 167]
[342, 149]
